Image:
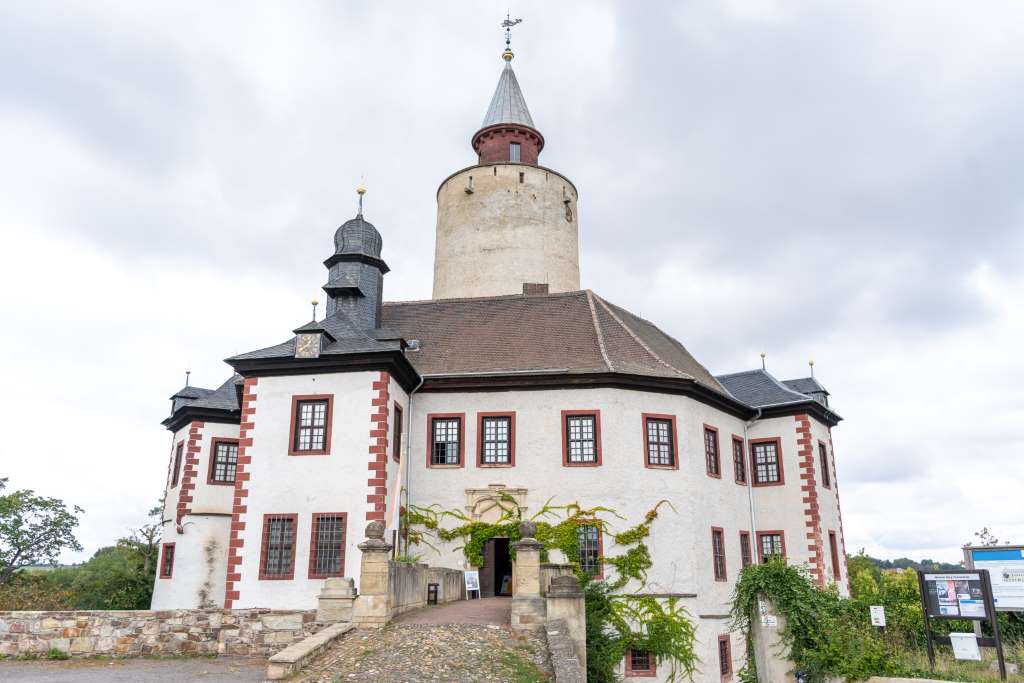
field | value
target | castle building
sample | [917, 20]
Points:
[510, 379]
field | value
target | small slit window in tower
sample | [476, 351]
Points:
[522, 176]
[513, 151]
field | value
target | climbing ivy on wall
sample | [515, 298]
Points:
[617, 620]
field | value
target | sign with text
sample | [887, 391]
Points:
[954, 596]
[472, 578]
[965, 646]
[1005, 566]
[877, 615]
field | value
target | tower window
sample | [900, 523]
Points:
[745, 548]
[522, 176]
[396, 446]
[724, 657]
[826, 480]
[513, 152]
[176, 474]
[770, 544]
[311, 425]
[224, 461]
[739, 463]
[718, 553]
[167, 561]
[588, 537]
[661, 450]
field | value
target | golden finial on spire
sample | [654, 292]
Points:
[361, 190]
[507, 25]
[763, 354]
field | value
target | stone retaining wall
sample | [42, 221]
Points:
[407, 585]
[257, 632]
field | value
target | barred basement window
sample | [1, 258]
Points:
[176, 473]
[660, 447]
[167, 561]
[745, 557]
[589, 539]
[225, 462]
[277, 552]
[826, 479]
[718, 553]
[724, 657]
[446, 438]
[310, 426]
[513, 151]
[327, 545]
[495, 440]
[581, 438]
[711, 451]
[739, 463]
[639, 663]
[771, 546]
[766, 462]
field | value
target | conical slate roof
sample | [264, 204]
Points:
[508, 104]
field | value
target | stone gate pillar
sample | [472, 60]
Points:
[372, 608]
[528, 607]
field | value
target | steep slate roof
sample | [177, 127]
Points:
[571, 332]
[805, 385]
[220, 404]
[759, 389]
[347, 339]
[508, 104]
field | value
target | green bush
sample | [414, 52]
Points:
[54, 653]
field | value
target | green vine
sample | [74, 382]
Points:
[617, 620]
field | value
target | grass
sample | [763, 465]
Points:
[520, 670]
[946, 667]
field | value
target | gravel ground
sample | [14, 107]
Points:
[219, 670]
[466, 653]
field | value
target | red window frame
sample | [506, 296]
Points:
[717, 455]
[753, 465]
[650, 672]
[314, 528]
[770, 532]
[720, 573]
[741, 464]
[396, 439]
[833, 547]
[430, 439]
[566, 414]
[725, 665]
[826, 471]
[179, 452]
[293, 425]
[480, 417]
[265, 541]
[166, 568]
[216, 441]
[671, 419]
[746, 555]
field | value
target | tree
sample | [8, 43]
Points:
[986, 538]
[113, 578]
[33, 530]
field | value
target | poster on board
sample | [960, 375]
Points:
[1006, 571]
[954, 595]
[472, 578]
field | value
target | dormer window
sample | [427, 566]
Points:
[513, 151]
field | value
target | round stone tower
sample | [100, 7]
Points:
[506, 225]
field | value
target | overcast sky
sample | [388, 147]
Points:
[838, 181]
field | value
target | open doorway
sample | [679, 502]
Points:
[496, 572]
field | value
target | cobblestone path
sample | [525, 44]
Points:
[466, 653]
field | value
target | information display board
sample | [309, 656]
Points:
[1005, 565]
[472, 579]
[955, 596]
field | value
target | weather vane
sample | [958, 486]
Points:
[507, 25]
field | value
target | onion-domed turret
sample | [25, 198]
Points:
[355, 273]
[357, 236]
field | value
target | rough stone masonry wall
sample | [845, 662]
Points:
[256, 632]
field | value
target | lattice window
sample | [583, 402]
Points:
[660, 446]
[225, 461]
[771, 546]
[589, 539]
[581, 438]
[446, 435]
[766, 462]
[718, 553]
[826, 479]
[739, 463]
[328, 545]
[640, 661]
[278, 546]
[496, 444]
[311, 425]
[711, 452]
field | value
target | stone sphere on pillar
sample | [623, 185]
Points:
[527, 529]
[375, 530]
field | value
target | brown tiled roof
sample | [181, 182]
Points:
[574, 332]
